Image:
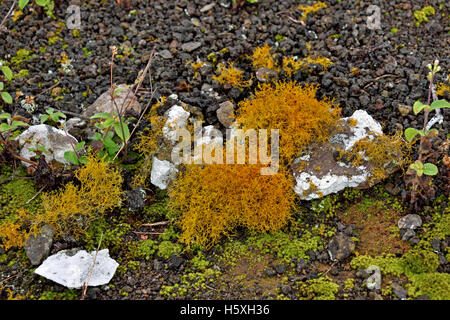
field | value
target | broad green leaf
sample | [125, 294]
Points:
[1, 86]
[6, 97]
[4, 127]
[42, 3]
[430, 169]
[80, 145]
[103, 115]
[439, 104]
[44, 118]
[410, 133]
[71, 157]
[418, 106]
[418, 167]
[7, 72]
[108, 122]
[110, 145]
[83, 160]
[61, 115]
[23, 3]
[18, 123]
[54, 117]
[118, 129]
[5, 116]
[50, 110]
[97, 136]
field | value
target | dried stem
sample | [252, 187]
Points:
[7, 15]
[92, 269]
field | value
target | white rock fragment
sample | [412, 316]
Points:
[162, 172]
[326, 185]
[365, 123]
[321, 173]
[55, 141]
[176, 119]
[71, 269]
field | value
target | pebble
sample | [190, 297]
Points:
[190, 46]
[410, 221]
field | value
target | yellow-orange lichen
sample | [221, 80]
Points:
[263, 58]
[380, 151]
[212, 200]
[230, 76]
[311, 8]
[294, 110]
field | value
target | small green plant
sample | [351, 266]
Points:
[6, 97]
[10, 125]
[422, 15]
[419, 167]
[52, 116]
[115, 130]
[47, 5]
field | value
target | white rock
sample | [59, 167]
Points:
[176, 119]
[210, 135]
[334, 176]
[54, 140]
[72, 269]
[326, 185]
[364, 124]
[162, 172]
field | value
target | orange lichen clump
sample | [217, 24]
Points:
[294, 110]
[291, 65]
[311, 8]
[325, 62]
[12, 235]
[230, 76]
[263, 58]
[381, 151]
[214, 199]
[71, 209]
[442, 88]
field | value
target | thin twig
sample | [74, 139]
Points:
[34, 197]
[7, 15]
[92, 269]
[140, 232]
[147, 69]
[160, 223]
[50, 88]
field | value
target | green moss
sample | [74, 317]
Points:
[418, 266]
[158, 210]
[420, 261]
[286, 247]
[14, 194]
[142, 249]
[167, 248]
[66, 295]
[318, 289]
[21, 56]
[434, 285]
[192, 283]
[199, 262]
[113, 234]
[349, 284]
[388, 264]
[422, 15]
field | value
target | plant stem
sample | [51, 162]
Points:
[425, 120]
